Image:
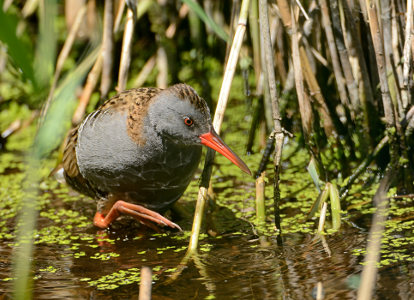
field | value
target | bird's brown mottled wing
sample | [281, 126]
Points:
[132, 101]
[139, 102]
[71, 170]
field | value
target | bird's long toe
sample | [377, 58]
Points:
[142, 214]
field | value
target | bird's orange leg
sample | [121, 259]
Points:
[138, 212]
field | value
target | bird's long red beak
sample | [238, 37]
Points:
[212, 140]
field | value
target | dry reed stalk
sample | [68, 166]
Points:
[284, 12]
[118, 14]
[304, 102]
[198, 218]
[279, 139]
[398, 89]
[336, 65]
[305, 108]
[13, 127]
[263, 89]
[162, 66]
[407, 55]
[410, 113]
[366, 96]
[6, 4]
[29, 8]
[230, 68]
[165, 51]
[400, 18]
[91, 18]
[166, 61]
[389, 57]
[299, 4]
[316, 93]
[126, 51]
[94, 74]
[410, 122]
[278, 132]
[91, 82]
[319, 57]
[386, 31]
[255, 34]
[217, 121]
[363, 9]
[18, 125]
[396, 43]
[322, 217]
[344, 57]
[274, 25]
[397, 69]
[319, 291]
[290, 79]
[64, 53]
[303, 39]
[268, 51]
[67, 46]
[262, 135]
[172, 28]
[280, 50]
[145, 285]
[390, 117]
[107, 48]
[145, 71]
[260, 199]
[71, 9]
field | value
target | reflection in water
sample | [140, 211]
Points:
[236, 266]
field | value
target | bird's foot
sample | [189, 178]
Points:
[142, 214]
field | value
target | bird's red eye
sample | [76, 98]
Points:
[188, 121]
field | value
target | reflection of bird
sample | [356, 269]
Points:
[138, 152]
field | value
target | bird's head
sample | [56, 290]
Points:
[179, 114]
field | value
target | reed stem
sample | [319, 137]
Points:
[217, 121]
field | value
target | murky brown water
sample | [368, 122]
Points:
[75, 260]
[232, 265]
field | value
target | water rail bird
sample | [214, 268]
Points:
[137, 153]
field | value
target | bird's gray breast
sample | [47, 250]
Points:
[154, 174]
